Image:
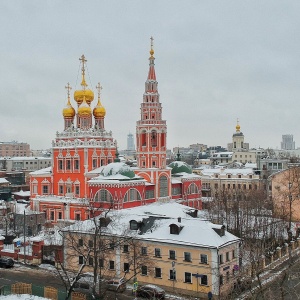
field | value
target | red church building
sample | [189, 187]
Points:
[86, 172]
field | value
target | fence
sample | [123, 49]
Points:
[41, 291]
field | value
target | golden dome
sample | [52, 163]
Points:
[68, 111]
[87, 94]
[84, 109]
[237, 127]
[79, 95]
[99, 110]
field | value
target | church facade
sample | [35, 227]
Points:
[86, 175]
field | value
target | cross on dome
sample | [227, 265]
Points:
[151, 44]
[83, 61]
[68, 87]
[99, 88]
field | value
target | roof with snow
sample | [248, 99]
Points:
[3, 180]
[45, 171]
[117, 171]
[22, 193]
[224, 171]
[156, 219]
[180, 167]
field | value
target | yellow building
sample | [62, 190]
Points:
[166, 244]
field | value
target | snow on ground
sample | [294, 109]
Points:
[23, 297]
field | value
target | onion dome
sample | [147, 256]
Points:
[117, 168]
[180, 167]
[88, 94]
[84, 109]
[68, 111]
[99, 110]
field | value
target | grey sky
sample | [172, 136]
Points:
[216, 61]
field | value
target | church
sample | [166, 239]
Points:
[86, 175]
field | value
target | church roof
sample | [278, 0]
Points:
[180, 167]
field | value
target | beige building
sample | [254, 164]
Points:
[284, 190]
[175, 249]
[214, 179]
[14, 149]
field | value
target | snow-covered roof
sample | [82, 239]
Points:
[3, 180]
[157, 218]
[22, 193]
[244, 171]
[45, 171]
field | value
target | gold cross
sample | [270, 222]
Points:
[151, 42]
[99, 88]
[68, 87]
[83, 60]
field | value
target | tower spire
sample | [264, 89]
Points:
[237, 127]
[151, 74]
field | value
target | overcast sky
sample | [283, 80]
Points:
[216, 61]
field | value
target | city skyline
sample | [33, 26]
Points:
[215, 62]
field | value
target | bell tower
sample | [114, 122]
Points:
[151, 130]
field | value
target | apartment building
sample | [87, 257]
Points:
[175, 249]
[14, 149]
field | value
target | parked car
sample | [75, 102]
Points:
[150, 291]
[6, 262]
[118, 285]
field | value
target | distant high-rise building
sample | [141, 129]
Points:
[287, 142]
[130, 142]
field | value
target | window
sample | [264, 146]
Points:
[163, 186]
[203, 280]
[144, 250]
[52, 215]
[101, 262]
[187, 256]
[61, 189]
[111, 265]
[91, 261]
[125, 248]
[221, 280]
[80, 242]
[126, 267]
[45, 189]
[103, 196]
[111, 246]
[233, 253]
[95, 163]
[134, 225]
[68, 164]
[149, 194]
[172, 275]
[77, 217]
[220, 259]
[187, 277]
[203, 258]
[158, 272]
[227, 276]
[132, 195]
[172, 254]
[91, 243]
[227, 256]
[77, 190]
[76, 164]
[157, 252]
[144, 270]
[59, 215]
[60, 164]
[80, 260]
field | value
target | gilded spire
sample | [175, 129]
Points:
[151, 49]
[237, 127]
[83, 61]
[151, 74]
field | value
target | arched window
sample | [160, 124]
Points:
[163, 186]
[132, 195]
[103, 195]
[192, 189]
[153, 138]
